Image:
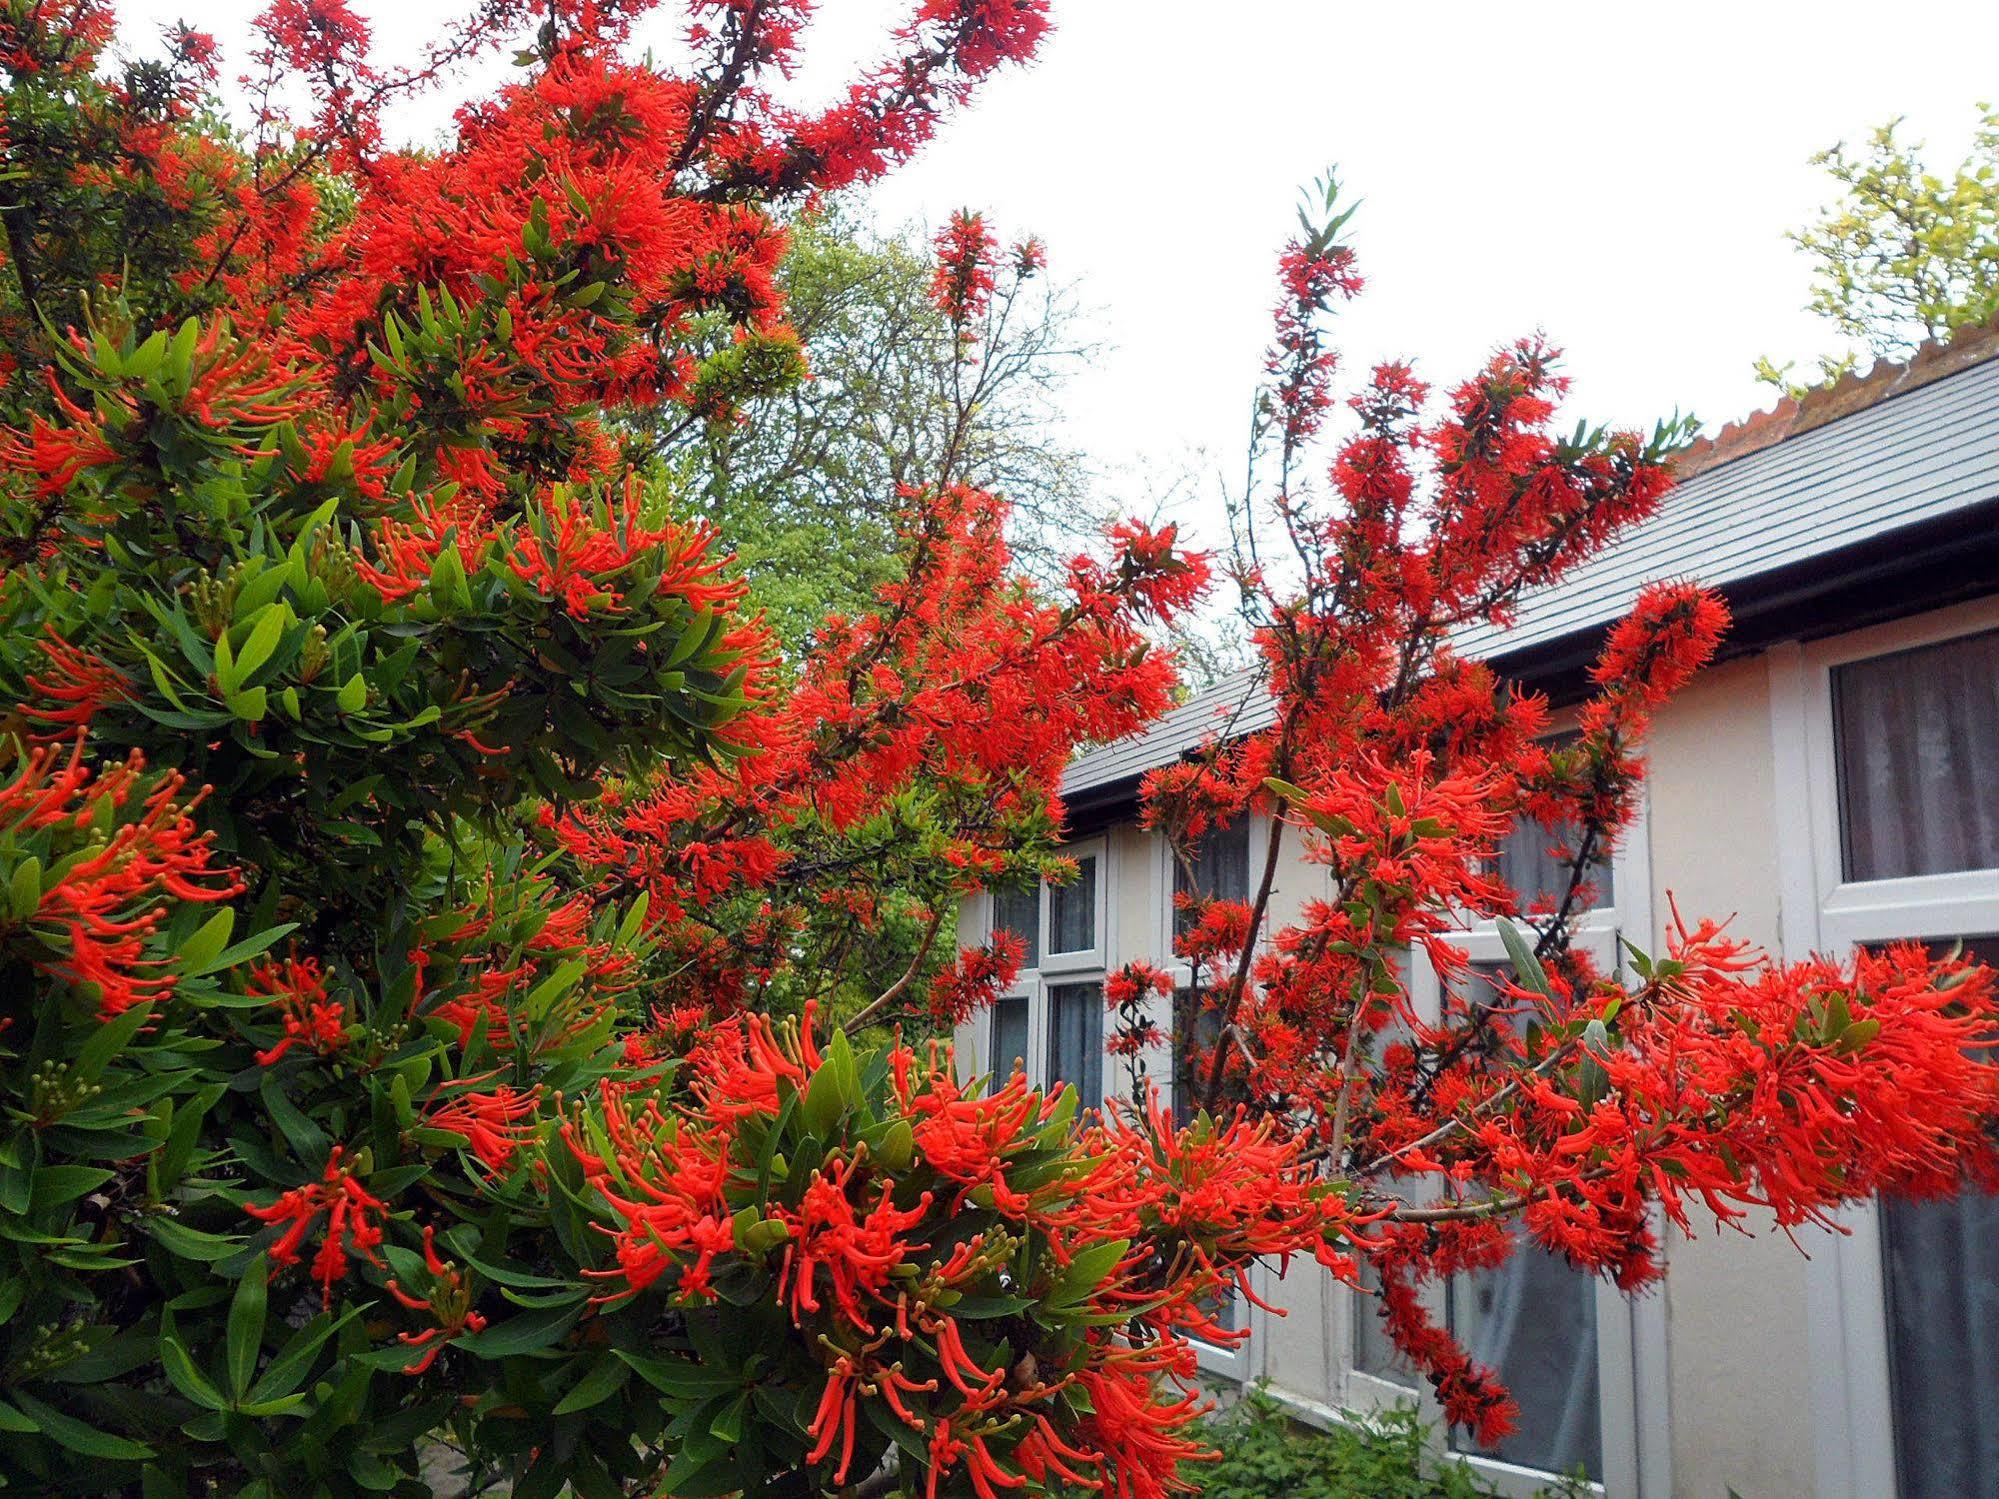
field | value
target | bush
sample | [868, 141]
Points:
[1265, 1454]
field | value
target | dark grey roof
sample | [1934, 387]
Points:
[1913, 458]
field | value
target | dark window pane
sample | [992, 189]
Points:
[1534, 1320]
[1941, 1261]
[1195, 1030]
[1374, 1352]
[1220, 860]
[1076, 1040]
[1072, 910]
[1009, 1035]
[1537, 876]
[1019, 912]
[1918, 747]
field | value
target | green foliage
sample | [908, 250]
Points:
[1265, 1454]
[1905, 253]
[805, 495]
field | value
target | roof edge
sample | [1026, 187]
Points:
[1972, 345]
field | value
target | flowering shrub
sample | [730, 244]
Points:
[1568, 1099]
[435, 922]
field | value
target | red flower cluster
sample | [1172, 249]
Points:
[962, 285]
[354, 1218]
[297, 990]
[449, 1302]
[116, 850]
[882, 1278]
[1567, 1101]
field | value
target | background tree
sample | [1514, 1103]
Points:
[1905, 254]
[805, 494]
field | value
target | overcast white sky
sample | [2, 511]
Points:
[1619, 175]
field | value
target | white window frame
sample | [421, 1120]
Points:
[1822, 911]
[1631, 1338]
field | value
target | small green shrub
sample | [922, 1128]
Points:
[1265, 1454]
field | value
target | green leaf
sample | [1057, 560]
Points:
[531, 1332]
[1086, 1272]
[262, 640]
[191, 1243]
[307, 1140]
[602, 1380]
[186, 1376]
[79, 1436]
[1526, 967]
[678, 1378]
[208, 941]
[353, 694]
[246, 1325]
[25, 889]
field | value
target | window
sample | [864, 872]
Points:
[1076, 1040]
[1571, 1348]
[1196, 1028]
[1535, 874]
[1019, 912]
[1940, 1263]
[1051, 1025]
[1374, 1352]
[1072, 910]
[1217, 867]
[1891, 736]
[1917, 739]
[1534, 1320]
[1009, 1053]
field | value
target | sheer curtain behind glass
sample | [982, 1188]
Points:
[1940, 1264]
[1918, 739]
[1019, 912]
[1072, 910]
[1076, 1039]
[1534, 1320]
[1537, 876]
[1220, 869]
[1009, 1036]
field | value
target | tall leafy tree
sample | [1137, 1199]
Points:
[1906, 252]
[805, 493]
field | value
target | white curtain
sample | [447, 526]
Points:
[1534, 1320]
[1009, 1036]
[1918, 737]
[1072, 910]
[1942, 1269]
[1076, 1039]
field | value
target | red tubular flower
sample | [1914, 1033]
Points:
[354, 1218]
[100, 914]
[976, 977]
[73, 687]
[494, 1125]
[449, 1302]
[297, 988]
[962, 285]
